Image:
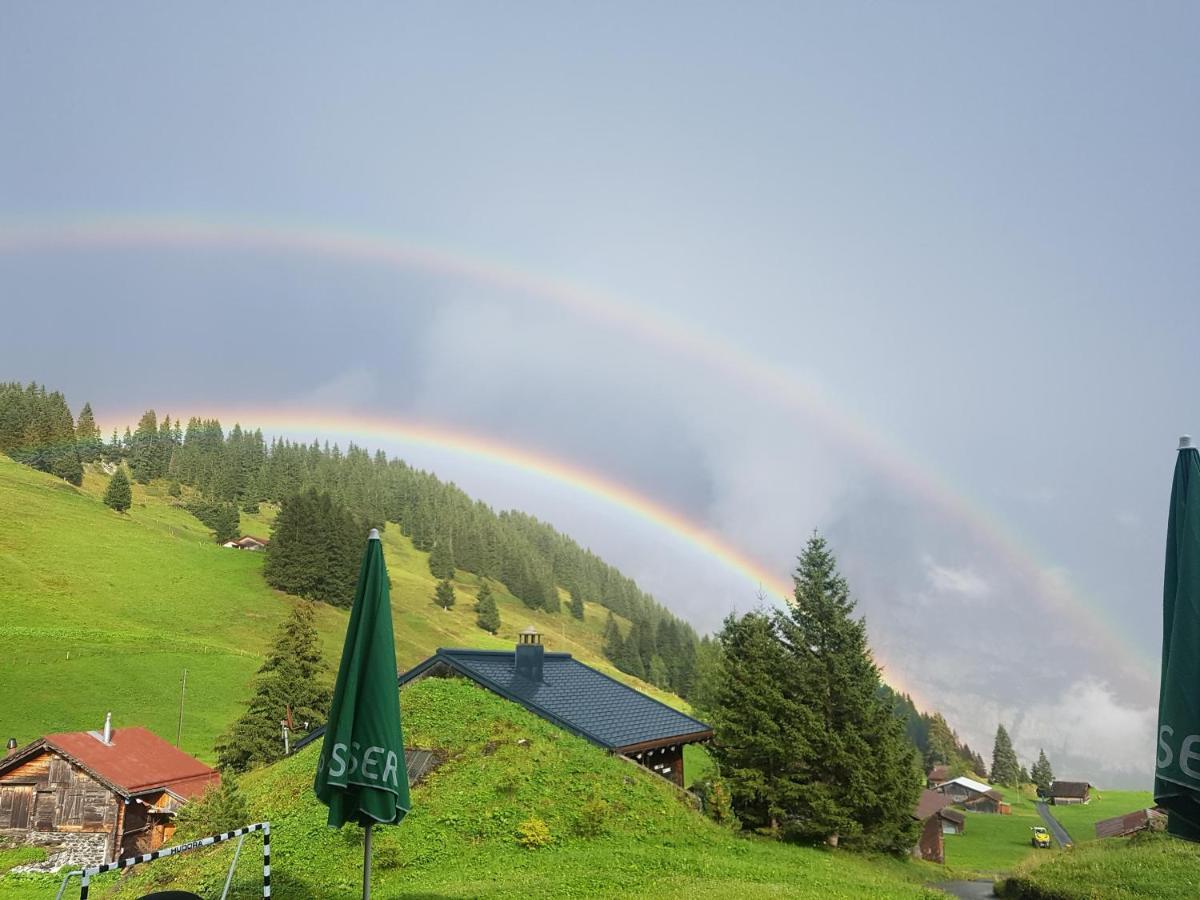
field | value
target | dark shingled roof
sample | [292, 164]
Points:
[573, 696]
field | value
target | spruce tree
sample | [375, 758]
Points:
[315, 550]
[87, 435]
[488, 616]
[861, 780]
[441, 559]
[119, 494]
[577, 605]
[1042, 774]
[612, 639]
[762, 728]
[1006, 769]
[291, 682]
[443, 595]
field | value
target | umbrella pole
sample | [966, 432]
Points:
[367, 863]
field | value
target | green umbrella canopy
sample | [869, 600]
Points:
[361, 775]
[1177, 771]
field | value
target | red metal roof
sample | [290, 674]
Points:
[137, 761]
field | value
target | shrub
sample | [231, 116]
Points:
[718, 805]
[219, 808]
[592, 819]
[534, 833]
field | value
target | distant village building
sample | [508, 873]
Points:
[249, 542]
[574, 697]
[937, 775]
[1131, 823]
[938, 819]
[963, 789]
[100, 794]
[992, 801]
[1066, 793]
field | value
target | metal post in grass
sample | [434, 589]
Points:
[361, 773]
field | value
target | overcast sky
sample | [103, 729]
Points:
[969, 229]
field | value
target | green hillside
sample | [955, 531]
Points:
[101, 611]
[616, 830]
[1147, 865]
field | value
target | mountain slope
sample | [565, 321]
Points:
[100, 612]
[615, 829]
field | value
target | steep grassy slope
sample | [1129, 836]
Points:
[616, 830]
[1151, 865]
[100, 611]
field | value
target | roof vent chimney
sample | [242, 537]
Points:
[108, 728]
[11, 748]
[530, 654]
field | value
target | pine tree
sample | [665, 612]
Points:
[577, 605]
[119, 494]
[612, 639]
[488, 615]
[1042, 774]
[291, 683]
[443, 596]
[143, 450]
[441, 559]
[762, 729]
[860, 776]
[315, 551]
[87, 435]
[1006, 769]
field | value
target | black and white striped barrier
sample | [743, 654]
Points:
[264, 827]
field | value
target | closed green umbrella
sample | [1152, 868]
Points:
[361, 775]
[1177, 770]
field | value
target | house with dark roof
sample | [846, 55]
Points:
[1066, 793]
[937, 775]
[938, 819]
[104, 793]
[573, 696]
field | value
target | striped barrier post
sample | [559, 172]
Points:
[265, 827]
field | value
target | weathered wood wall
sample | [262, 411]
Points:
[60, 797]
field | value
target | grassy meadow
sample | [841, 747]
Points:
[1080, 820]
[992, 844]
[615, 830]
[1143, 866]
[101, 611]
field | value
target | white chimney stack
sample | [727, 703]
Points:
[108, 728]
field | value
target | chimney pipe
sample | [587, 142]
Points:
[530, 654]
[11, 748]
[108, 728]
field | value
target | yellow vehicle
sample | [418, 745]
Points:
[1041, 837]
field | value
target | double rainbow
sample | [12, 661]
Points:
[665, 334]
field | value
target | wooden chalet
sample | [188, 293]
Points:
[575, 697]
[104, 794]
[937, 775]
[1066, 793]
[249, 542]
[938, 819]
[991, 801]
[963, 789]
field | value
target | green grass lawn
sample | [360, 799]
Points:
[992, 844]
[102, 612]
[1145, 866]
[617, 830]
[1080, 820]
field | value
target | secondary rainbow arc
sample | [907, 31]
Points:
[884, 455]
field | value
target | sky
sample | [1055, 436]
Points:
[919, 276]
